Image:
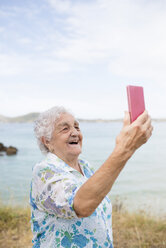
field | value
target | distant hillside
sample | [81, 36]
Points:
[32, 116]
[24, 118]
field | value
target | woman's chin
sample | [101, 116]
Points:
[75, 151]
[76, 148]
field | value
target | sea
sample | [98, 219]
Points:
[141, 185]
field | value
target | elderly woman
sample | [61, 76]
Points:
[69, 202]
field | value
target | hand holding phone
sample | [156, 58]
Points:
[136, 101]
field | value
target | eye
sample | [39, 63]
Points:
[77, 128]
[65, 129]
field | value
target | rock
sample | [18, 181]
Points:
[11, 150]
[2, 148]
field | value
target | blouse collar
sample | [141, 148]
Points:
[52, 158]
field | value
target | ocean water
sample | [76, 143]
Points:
[141, 185]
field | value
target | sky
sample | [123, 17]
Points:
[81, 54]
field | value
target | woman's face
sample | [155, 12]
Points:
[66, 141]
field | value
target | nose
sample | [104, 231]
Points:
[74, 132]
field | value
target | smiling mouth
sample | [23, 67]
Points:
[73, 143]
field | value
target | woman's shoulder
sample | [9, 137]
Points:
[46, 166]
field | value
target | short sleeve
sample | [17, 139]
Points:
[55, 193]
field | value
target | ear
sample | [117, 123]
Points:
[44, 141]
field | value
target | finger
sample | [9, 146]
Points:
[149, 132]
[142, 118]
[147, 124]
[126, 120]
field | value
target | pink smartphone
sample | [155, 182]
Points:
[136, 101]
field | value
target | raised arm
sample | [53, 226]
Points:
[131, 137]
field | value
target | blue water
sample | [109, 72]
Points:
[141, 184]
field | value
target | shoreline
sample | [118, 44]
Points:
[80, 120]
[118, 203]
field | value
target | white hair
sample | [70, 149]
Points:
[45, 123]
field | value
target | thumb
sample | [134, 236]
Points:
[126, 120]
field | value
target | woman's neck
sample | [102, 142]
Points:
[73, 162]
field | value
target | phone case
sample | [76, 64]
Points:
[136, 101]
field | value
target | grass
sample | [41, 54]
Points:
[15, 227]
[138, 230]
[130, 230]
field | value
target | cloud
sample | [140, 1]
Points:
[10, 66]
[85, 49]
[17, 65]
[25, 41]
[2, 29]
[129, 37]
[62, 6]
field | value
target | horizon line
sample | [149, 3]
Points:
[80, 118]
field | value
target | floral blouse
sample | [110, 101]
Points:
[54, 222]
